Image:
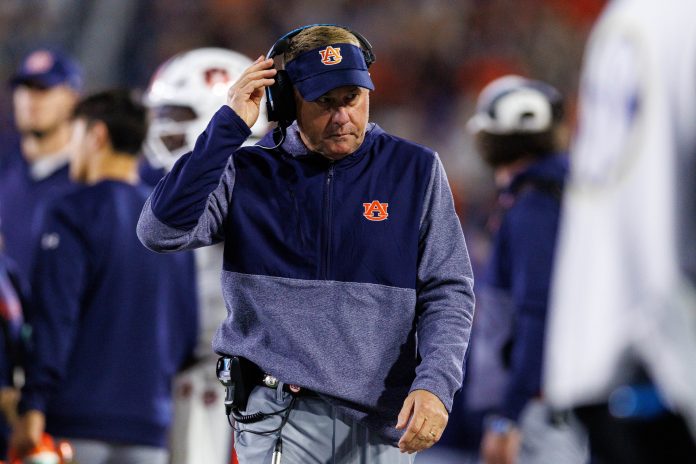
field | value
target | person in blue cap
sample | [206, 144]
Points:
[346, 274]
[34, 167]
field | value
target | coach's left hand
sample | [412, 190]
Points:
[428, 418]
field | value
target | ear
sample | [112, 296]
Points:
[99, 135]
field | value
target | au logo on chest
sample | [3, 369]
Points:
[375, 211]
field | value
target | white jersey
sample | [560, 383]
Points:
[200, 432]
[623, 289]
[210, 301]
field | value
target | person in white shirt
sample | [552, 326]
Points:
[622, 334]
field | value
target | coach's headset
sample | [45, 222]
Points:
[280, 99]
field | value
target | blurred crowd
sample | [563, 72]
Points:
[434, 57]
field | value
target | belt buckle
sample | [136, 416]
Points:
[270, 381]
[273, 382]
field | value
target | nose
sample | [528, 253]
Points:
[340, 115]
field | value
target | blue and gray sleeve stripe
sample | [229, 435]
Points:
[188, 206]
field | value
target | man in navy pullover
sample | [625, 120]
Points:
[112, 321]
[345, 269]
[519, 129]
[34, 166]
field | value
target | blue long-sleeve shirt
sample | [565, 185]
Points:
[521, 265]
[24, 195]
[331, 268]
[112, 321]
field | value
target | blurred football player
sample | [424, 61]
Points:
[183, 95]
[520, 132]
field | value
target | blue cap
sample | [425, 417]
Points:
[325, 68]
[48, 68]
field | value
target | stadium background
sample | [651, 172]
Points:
[433, 57]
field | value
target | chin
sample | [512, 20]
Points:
[342, 149]
[337, 154]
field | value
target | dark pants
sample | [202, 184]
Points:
[659, 440]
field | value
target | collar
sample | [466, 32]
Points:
[48, 165]
[551, 168]
[295, 147]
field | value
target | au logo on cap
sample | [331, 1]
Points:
[330, 55]
[39, 62]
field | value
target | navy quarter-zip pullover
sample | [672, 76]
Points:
[349, 277]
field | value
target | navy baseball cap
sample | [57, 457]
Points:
[325, 68]
[48, 68]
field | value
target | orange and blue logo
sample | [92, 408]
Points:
[331, 55]
[376, 211]
[215, 76]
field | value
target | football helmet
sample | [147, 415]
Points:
[184, 94]
[48, 451]
[516, 105]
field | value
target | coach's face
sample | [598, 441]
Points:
[334, 124]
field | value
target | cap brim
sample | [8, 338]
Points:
[41, 80]
[315, 86]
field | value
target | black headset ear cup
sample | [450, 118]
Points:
[280, 100]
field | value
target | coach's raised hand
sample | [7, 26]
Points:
[244, 97]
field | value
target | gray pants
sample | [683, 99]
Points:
[547, 443]
[99, 452]
[315, 433]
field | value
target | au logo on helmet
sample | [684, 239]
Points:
[331, 55]
[214, 76]
[375, 211]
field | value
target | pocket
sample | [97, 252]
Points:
[267, 401]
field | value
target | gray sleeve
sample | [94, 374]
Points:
[445, 296]
[160, 237]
